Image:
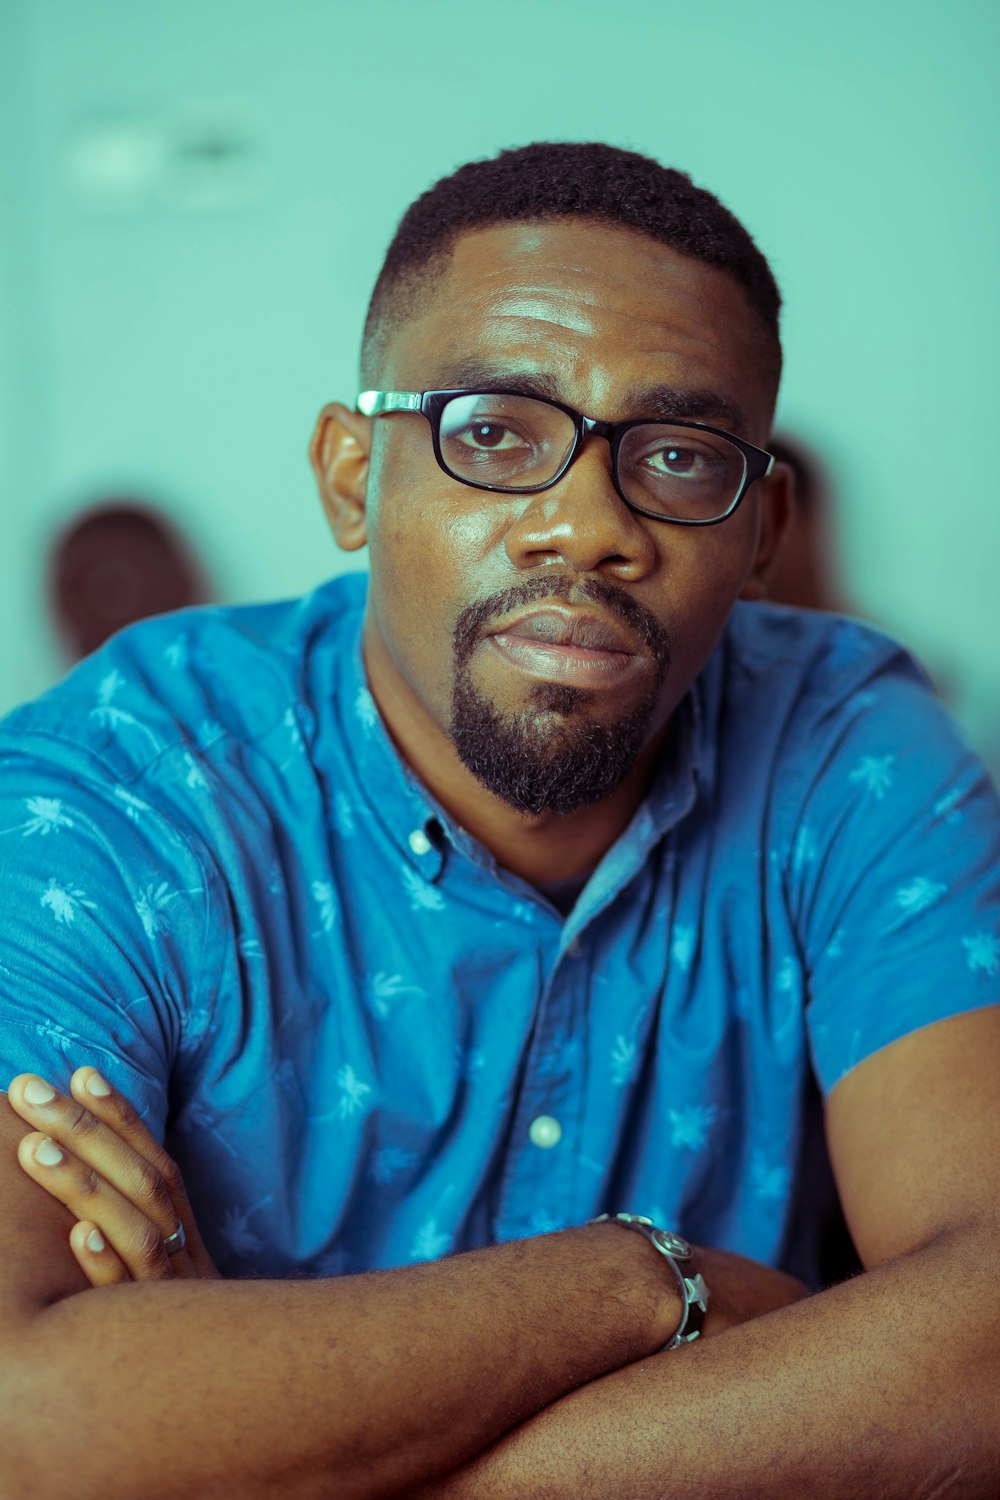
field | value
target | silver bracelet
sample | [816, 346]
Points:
[674, 1249]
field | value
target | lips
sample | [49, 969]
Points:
[554, 627]
[563, 645]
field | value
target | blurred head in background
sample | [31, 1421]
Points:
[119, 562]
[805, 571]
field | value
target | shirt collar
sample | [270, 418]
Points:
[394, 793]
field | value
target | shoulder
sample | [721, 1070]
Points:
[178, 682]
[809, 694]
[832, 655]
[835, 752]
[879, 826]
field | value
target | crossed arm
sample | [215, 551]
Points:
[364, 1386]
[887, 1386]
[379, 1385]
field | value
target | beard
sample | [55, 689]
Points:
[551, 756]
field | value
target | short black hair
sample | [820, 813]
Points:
[549, 180]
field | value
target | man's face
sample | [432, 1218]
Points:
[549, 637]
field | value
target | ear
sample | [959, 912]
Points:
[339, 452]
[776, 499]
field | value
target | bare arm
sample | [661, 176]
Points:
[885, 1388]
[365, 1385]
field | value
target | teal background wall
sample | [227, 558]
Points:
[195, 196]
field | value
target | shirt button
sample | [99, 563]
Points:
[544, 1131]
[574, 947]
[419, 842]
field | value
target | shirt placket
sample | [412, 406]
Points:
[537, 1189]
[541, 1187]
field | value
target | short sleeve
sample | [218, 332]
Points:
[104, 926]
[894, 874]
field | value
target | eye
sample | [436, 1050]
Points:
[489, 436]
[675, 461]
[502, 440]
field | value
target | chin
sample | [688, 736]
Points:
[551, 756]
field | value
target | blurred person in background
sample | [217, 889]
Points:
[548, 933]
[118, 562]
[804, 573]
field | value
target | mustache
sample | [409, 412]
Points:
[473, 621]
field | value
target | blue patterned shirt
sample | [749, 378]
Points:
[365, 1044]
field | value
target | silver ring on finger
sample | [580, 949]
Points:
[174, 1243]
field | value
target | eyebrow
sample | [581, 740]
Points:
[665, 402]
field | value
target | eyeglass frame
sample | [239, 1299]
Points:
[431, 404]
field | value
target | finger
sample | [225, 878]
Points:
[99, 1127]
[101, 1146]
[91, 1089]
[136, 1239]
[96, 1258]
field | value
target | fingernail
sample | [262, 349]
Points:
[95, 1241]
[96, 1085]
[48, 1153]
[37, 1091]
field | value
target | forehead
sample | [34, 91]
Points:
[600, 312]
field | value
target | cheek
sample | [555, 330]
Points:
[433, 550]
[427, 533]
[717, 559]
[702, 575]
[425, 544]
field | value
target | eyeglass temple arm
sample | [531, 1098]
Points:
[371, 403]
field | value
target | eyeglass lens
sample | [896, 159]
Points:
[518, 443]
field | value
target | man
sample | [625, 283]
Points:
[544, 881]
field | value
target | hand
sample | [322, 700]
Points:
[94, 1154]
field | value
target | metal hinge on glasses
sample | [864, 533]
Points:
[370, 403]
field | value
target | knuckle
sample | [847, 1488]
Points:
[148, 1245]
[151, 1185]
[170, 1172]
[80, 1122]
[88, 1183]
[127, 1114]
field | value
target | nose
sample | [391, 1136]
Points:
[583, 523]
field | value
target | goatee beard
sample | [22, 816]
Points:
[551, 756]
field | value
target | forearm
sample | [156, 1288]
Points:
[884, 1388]
[354, 1387]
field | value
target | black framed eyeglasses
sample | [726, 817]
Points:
[683, 472]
